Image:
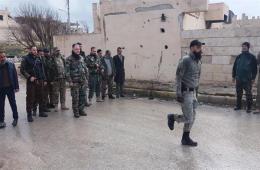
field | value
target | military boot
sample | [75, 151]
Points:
[56, 109]
[99, 99]
[187, 141]
[82, 113]
[63, 107]
[29, 117]
[42, 114]
[76, 115]
[111, 97]
[15, 121]
[171, 121]
[2, 125]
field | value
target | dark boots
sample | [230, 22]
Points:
[15, 121]
[29, 117]
[82, 113]
[171, 121]
[187, 141]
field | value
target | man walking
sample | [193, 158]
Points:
[187, 81]
[119, 61]
[32, 69]
[93, 64]
[108, 73]
[8, 86]
[76, 75]
[244, 74]
[59, 85]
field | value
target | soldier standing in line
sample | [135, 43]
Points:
[108, 73]
[93, 64]
[59, 86]
[77, 75]
[83, 54]
[187, 80]
[51, 73]
[32, 69]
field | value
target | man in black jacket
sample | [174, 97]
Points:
[244, 74]
[8, 86]
[119, 61]
[33, 70]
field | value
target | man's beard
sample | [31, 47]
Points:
[198, 55]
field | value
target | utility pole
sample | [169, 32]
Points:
[68, 21]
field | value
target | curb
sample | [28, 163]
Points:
[166, 95]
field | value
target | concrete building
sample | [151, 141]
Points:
[155, 34]
[6, 21]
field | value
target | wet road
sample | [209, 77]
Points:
[130, 134]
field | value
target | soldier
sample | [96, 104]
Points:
[76, 75]
[82, 53]
[93, 64]
[51, 73]
[244, 74]
[59, 86]
[187, 80]
[32, 69]
[107, 75]
[119, 61]
[45, 97]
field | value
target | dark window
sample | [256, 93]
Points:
[1, 17]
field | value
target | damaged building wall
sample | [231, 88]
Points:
[222, 47]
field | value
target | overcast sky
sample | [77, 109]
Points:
[81, 9]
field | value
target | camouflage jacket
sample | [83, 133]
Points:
[94, 64]
[60, 63]
[50, 68]
[75, 69]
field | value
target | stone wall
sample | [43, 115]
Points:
[222, 47]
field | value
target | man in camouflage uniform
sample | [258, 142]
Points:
[51, 74]
[76, 75]
[59, 86]
[94, 66]
[108, 73]
[32, 69]
[83, 54]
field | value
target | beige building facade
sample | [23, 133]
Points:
[156, 34]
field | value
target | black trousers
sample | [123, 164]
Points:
[10, 93]
[240, 87]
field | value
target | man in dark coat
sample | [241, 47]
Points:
[244, 74]
[32, 69]
[119, 61]
[8, 86]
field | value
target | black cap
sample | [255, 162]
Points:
[79, 43]
[196, 43]
[45, 50]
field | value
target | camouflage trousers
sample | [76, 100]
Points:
[189, 111]
[94, 85]
[78, 93]
[59, 91]
[107, 83]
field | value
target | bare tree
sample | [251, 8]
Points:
[37, 26]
